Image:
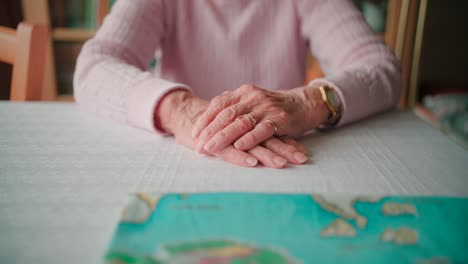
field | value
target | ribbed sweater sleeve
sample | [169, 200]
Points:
[111, 77]
[355, 61]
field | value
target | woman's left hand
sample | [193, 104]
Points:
[250, 115]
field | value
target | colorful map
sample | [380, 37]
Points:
[238, 228]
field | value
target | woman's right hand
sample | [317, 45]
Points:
[178, 112]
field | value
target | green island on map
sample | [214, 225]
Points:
[344, 206]
[237, 228]
[216, 251]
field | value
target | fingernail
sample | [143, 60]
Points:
[300, 157]
[279, 161]
[239, 144]
[199, 147]
[210, 146]
[251, 161]
[194, 133]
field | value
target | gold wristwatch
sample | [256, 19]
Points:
[332, 101]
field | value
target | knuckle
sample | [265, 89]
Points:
[247, 88]
[228, 113]
[282, 115]
[209, 133]
[223, 135]
[266, 126]
[259, 95]
[244, 123]
[252, 138]
[289, 149]
[283, 151]
[269, 103]
[276, 146]
[233, 156]
[218, 101]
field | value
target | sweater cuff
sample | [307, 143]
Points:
[353, 98]
[143, 100]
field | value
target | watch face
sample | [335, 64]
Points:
[333, 99]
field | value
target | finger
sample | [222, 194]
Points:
[238, 157]
[289, 152]
[229, 134]
[217, 104]
[268, 158]
[295, 144]
[260, 133]
[222, 120]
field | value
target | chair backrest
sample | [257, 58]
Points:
[25, 49]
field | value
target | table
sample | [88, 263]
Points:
[65, 174]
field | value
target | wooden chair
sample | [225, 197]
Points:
[25, 49]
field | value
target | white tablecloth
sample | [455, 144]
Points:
[64, 173]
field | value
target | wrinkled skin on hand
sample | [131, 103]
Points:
[250, 115]
[178, 113]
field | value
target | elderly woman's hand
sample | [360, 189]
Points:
[250, 115]
[178, 112]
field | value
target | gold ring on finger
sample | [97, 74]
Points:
[272, 124]
[250, 116]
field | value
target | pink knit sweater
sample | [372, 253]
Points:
[209, 46]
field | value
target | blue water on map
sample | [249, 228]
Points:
[291, 224]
